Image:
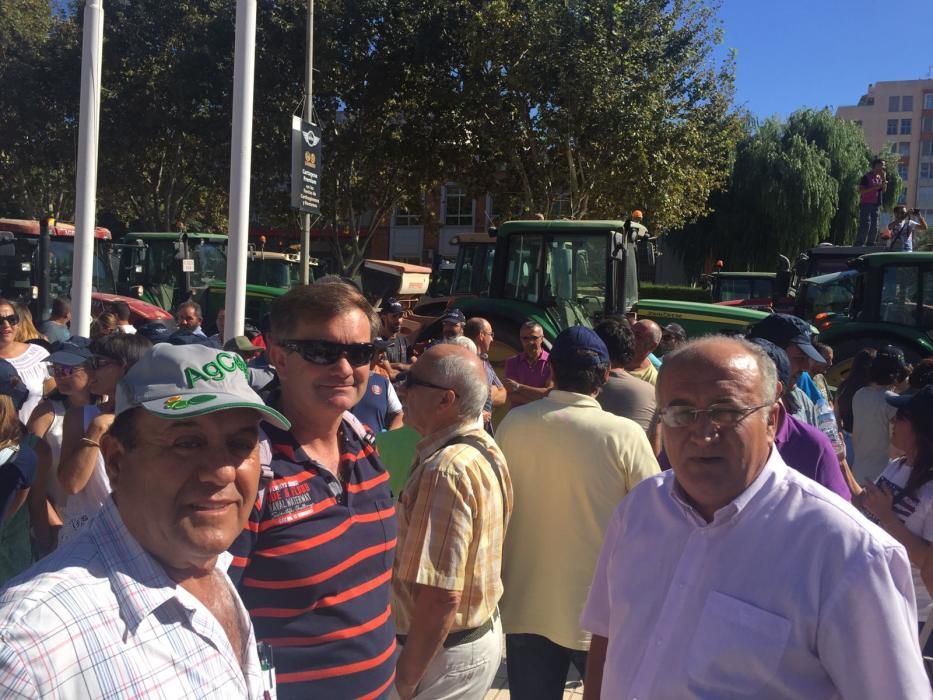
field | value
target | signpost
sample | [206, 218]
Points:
[306, 166]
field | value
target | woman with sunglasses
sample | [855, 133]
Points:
[28, 360]
[24, 465]
[70, 373]
[81, 471]
[901, 499]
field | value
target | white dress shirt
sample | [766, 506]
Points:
[100, 618]
[788, 593]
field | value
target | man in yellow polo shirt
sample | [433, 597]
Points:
[647, 338]
[571, 464]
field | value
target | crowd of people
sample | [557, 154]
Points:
[187, 515]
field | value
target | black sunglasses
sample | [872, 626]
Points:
[12, 319]
[326, 352]
[407, 380]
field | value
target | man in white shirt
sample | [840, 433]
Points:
[899, 235]
[734, 576]
[140, 604]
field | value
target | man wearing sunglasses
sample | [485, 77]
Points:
[314, 563]
[733, 575]
[453, 514]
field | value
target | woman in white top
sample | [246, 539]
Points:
[872, 414]
[28, 360]
[902, 498]
[69, 370]
[81, 471]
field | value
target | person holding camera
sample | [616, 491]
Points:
[871, 190]
[899, 234]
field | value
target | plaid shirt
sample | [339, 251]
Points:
[100, 618]
[451, 526]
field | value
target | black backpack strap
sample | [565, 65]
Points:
[481, 447]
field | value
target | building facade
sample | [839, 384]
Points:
[899, 113]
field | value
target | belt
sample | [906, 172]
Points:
[455, 639]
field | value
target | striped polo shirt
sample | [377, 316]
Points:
[314, 568]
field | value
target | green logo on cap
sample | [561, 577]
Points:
[177, 403]
[216, 370]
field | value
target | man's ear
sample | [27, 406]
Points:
[113, 452]
[276, 355]
[780, 391]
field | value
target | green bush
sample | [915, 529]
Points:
[647, 290]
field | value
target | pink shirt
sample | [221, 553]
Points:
[870, 180]
[536, 374]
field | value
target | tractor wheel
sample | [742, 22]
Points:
[845, 352]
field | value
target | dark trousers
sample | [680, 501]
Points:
[867, 224]
[537, 667]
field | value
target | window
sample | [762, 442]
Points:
[407, 214]
[899, 293]
[927, 124]
[926, 171]
[928, 101]
[902, 171]
[459, 209]
[907, 103]
[522, 267]
[905, 126]
[903, 148]
[894, 103]
[902, 199]
[926, 148]
[892, 127]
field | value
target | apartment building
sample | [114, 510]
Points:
[900, 113]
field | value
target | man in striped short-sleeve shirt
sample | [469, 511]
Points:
[314, 563]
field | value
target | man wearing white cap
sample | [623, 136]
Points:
[140, 604]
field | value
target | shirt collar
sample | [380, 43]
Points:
[770, 473]
[782, 435]
[531, 363]
[572, 398]
[139, 582]
[430, 444]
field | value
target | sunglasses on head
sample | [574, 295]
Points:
[326, 352]
[12, 319]
[100, 361]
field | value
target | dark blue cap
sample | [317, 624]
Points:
[778, 357]
[391, 306]
[11, 385]
[72, 352]
[190, 338]
[919, 402]
[784, 330]
[154, 332]
[579, 346]
[453, 316]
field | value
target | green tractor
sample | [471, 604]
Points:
[168, 268]
[564, 273]
[891, 303]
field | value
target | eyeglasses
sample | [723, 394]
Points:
[65, 370]
[12, 319]
[407, 380]
[720, 415]
[99, 362]
[326, 352]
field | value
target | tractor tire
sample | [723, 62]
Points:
[845, 352]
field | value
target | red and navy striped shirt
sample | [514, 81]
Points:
[313, 567]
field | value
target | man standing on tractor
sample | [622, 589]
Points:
[871, 189]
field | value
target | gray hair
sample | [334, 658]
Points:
[766, 366]
[472, 391]
[463, 342]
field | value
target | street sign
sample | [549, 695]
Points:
[187, 265]
[306, 166]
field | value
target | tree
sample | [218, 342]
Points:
[793, 185]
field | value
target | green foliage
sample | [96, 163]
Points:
[793, 185]
[646, 290]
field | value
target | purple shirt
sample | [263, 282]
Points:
[536, 374]
[871, 179]
[806, 449]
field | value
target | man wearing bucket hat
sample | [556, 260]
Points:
[140, 604]
[567, 457]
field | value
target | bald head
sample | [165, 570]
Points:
[647, 338]
[719, 351]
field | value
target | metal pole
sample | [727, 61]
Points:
[86, 180]
[240, 161]
[44, 276]
[306, 217]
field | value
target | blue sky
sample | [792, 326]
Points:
[818, 53]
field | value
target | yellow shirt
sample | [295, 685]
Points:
[648, 374]
[451, 521]
[571, 464]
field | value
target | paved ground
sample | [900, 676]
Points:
[500, 688]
